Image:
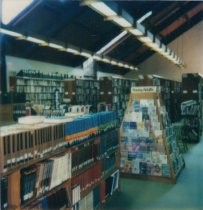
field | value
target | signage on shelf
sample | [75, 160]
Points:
[144, 89]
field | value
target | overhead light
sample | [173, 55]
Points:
[126, 66]
[101, 7]
[144, 17]
[135, 32]
[56, 46]
[120, 64]
[10, 33]
[106, 60]
[113, 41]
[73, 51]
[86, 54]
[123, 19]
[35, 40]
[97, 57]
[114, 62]
[69, 49]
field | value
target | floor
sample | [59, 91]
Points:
[186, 194]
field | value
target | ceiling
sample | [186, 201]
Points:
[67, 22]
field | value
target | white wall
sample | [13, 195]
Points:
[189, 46]
[15, 64]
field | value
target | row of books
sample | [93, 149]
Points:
[44, 176]
[33, 73]
[82, 157]
[88, 178]
[19, 110]
[98, 194]
[108, 163]
[59, 199]
[84, 127]
[75, 194]
[4, 193]
[38, 89]
[189, 108]
[22, 143]
[108, 142]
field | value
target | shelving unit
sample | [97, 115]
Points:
[170, 93]
[191, 107]
[148, 146]
[82, 92]
[63, 162]
[116, 92]
[38, 90]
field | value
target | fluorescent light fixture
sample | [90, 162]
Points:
[113, 62]
[86, 54]
[120, 21]
[135, 32]
[56, 46]
[102, 8]
[126, 66]
[144, 17]
[35, 40]
[97, 57]
[106, 60]
[120, 64]
[113, 41]
[10, 33]
[11, 8]
[145, 39]
[73, 51]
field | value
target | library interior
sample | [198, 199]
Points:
[101, 105]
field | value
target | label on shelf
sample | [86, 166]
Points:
[146, 89]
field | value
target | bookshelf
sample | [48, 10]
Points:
[116, 91]
[191, 107]
[82, 92]
[148, 146]
[67, 162]
[37, 90]
[171, 92]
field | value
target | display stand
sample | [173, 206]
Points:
[148, 147]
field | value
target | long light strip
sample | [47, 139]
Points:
[73, 50]
[138, 30]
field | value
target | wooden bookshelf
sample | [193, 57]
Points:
[192, 121]
[42, 137]
[115, 92]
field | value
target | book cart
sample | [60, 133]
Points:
[148, 147]
[65, 165]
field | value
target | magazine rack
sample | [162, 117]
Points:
[148, 148]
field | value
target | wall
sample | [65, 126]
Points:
[15, 64]
[189, 46]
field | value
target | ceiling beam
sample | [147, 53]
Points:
[174, 16]
[186, 26]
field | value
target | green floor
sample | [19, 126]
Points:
[186, 194]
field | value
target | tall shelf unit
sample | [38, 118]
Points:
[60, 165]
[38, 90]
[191, 107]
[82, 92]
[115, 92]
[148, 146]
[171, 92]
